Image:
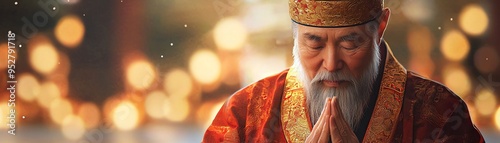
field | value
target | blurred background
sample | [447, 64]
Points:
[132, 71]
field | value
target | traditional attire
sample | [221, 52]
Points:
[406, 108]
[403, 107]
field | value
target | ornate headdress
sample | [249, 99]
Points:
[334, 13]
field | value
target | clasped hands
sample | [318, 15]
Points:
[331, 126]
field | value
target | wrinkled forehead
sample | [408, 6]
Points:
[358, 30]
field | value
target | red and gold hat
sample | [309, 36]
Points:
[334, 13]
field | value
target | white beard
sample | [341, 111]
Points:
[352, 99]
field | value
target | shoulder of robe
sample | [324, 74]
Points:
[263, 87]
[433, 102]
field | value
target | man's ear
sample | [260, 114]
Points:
[384, 20]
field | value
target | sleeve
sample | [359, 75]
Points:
[459, 127]
[229, 123]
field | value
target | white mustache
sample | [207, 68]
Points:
[333, 76]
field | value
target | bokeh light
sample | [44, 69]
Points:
[497, 118]
[422, 65]
[4, 113]
[472, 112]
[177, 83]
[425, 9]
[207, 111]
[59, 109]
[457, 80]
[486, 59]
[28, 87]
[205, 66]
[72, 127]
[125, 116]
[44, 58]
[419, 40]
[90, 114]
[176, 110]
[485, 102]
[48, 92]
[454, 45]
[140, 74]
[473, 20]
[154, 103]
[230, 34]
[4, 50]
[70, 31]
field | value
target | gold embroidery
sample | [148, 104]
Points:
[230, 135]
[382, 124]
[334, 13]
[387, 108]
[293, 110]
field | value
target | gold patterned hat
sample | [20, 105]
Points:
[334, 13]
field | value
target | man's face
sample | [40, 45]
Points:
[335, 49]
[340, 62]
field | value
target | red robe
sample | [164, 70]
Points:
[408, 108]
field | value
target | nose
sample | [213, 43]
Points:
[331, 60]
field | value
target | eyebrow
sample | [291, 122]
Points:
[313, 36]
[350, 37]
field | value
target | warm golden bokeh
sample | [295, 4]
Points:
[140, 74]
[90, 115]
[48, 92]
[230, 34]
[153, 104]
[423, 65]
[72, 127]
[176, 110]
[420, 41]
[177, 83]
[457, 80]
[125, 116]
[207, 112]
[473, 20]
[59, 109]
[4, 113]
[69, 31]
[454, 45]
[497, 118]
[205, 66]
[28, 87]
[44, 58]
[4, 50]
[485, 102]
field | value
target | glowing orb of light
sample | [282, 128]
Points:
[473, 20]
[485, 102]
[497, 118]
[461, 88]
[177, 83]
[59, 109]
[230, 34]
[154, 103]
[69, 31]
[90, 114]
[4, 113]
[454, 46]
[205, 66]
[44, 58]
[140, 74]
[28, 87]
[73, 127]
[48, 92]
[125, 116]
[176, 110]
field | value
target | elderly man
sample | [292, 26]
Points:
[344, 86]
